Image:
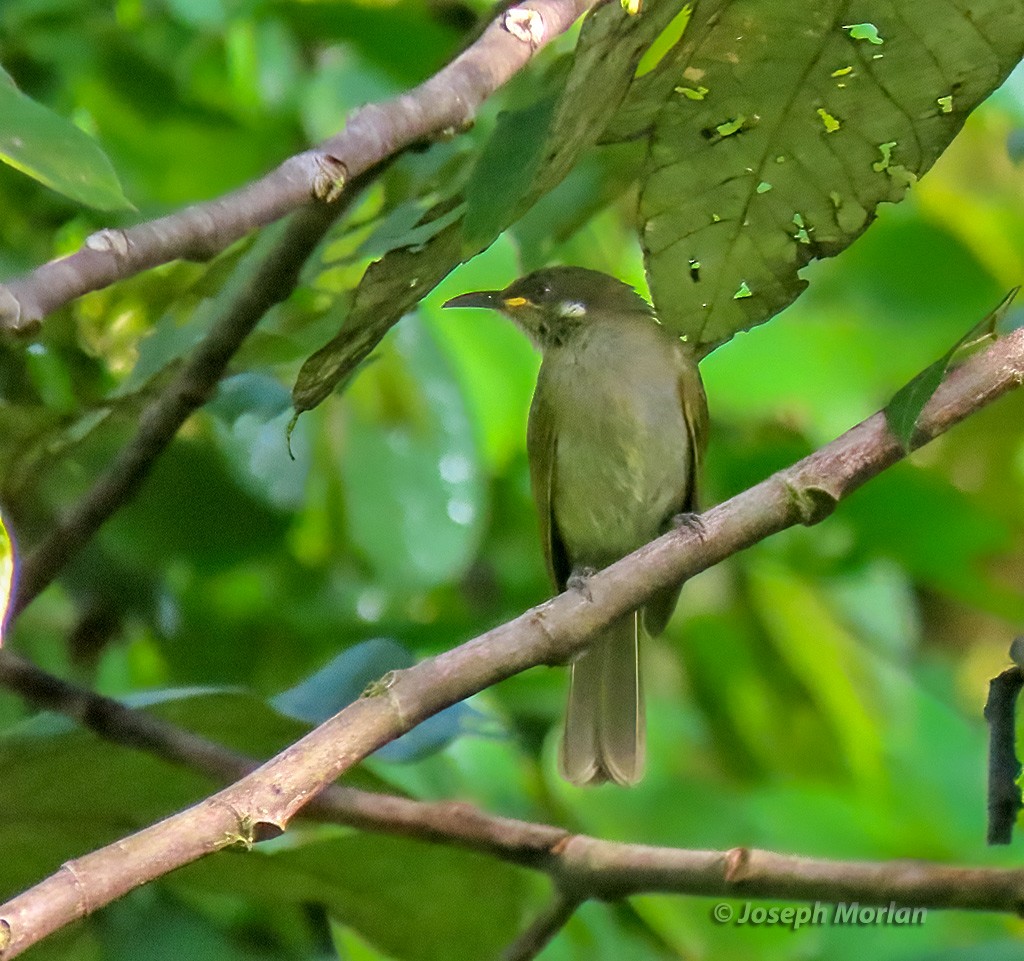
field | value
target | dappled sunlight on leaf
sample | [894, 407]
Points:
[6, 577]
[753, 177]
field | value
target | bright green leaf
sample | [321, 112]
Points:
[42, 144]
[415, 498]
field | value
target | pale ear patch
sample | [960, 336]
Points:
[571, 308]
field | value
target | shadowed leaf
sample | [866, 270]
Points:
[906, 405]
[611, 43]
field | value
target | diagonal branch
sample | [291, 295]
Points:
[446, 101]
[262, 803]
[450, 822]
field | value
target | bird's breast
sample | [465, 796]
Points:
[621, 458]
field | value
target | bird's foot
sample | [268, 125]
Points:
[578, 581]
[691, 522]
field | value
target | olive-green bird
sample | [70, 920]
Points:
[616, 437]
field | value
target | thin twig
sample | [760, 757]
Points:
[263, 803]
[547, 924]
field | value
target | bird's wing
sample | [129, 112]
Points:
[695, 412]
[694, 405]
[542, 445]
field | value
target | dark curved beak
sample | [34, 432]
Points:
[476, 298]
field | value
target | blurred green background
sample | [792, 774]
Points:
[820, 694]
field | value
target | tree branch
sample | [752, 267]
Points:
[1004, 797]
[262, 803]
[451, 822]
[447, 101]
[272, 281]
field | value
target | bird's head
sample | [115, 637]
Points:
[550, 304]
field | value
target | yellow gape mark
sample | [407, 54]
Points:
[515, 301]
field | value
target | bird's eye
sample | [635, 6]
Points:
[544, 290]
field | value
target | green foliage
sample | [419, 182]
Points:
[906, 405]
[820, 694]
[45, 146]
[776, 130]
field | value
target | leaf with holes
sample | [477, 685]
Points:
[775, 130]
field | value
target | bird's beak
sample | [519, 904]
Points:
[477, 298]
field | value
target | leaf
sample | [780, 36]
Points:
[251, 414]
[906, 405]
[56, 772]
[775, 130]
[42, 144]
[414, 493]
[610, 45]
[414, 901]
[6, 576]
[505, 171]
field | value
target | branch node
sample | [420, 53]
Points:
[10, 312]
[811, 502]
[737, 865]
[84, 908]
[108, 241]
[558, 848]
[5, 936]
[525, 25]
[381, 686]
[330, 178]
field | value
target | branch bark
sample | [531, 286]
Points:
[262, 804]
[447, 101]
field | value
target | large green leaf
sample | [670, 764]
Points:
[44, 145]
[415, 901]
[415, 499]
[775, 130]
[610, 45]
[57, 773]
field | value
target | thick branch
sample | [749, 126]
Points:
[265, 801]
[447, 101]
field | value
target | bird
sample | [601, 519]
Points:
[616, 436]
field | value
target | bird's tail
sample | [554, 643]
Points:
[604, 737]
